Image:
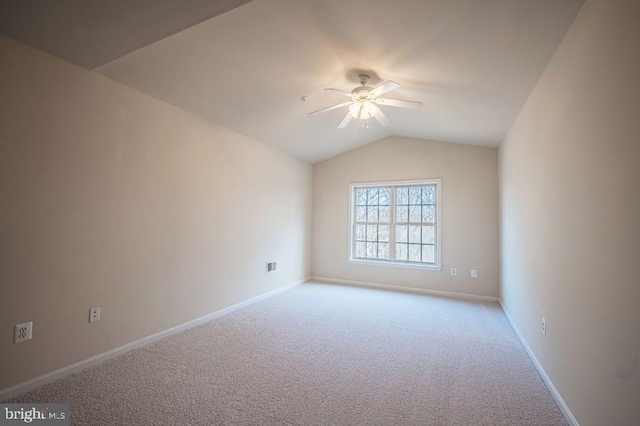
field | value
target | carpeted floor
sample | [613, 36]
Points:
[322, 355]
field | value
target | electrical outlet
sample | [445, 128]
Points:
[290, 264]
[474, 273]
[22, 332]
[454, 272]
[94, 314]
[543, 326]
[272, 267]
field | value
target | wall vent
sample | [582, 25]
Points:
[272, 267]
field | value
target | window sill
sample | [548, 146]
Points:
[396, 264]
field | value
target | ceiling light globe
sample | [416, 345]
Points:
[354, 109]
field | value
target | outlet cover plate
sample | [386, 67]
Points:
[94, 314]
[22, 332]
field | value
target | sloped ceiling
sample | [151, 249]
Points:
[90, 33]
[472, 63]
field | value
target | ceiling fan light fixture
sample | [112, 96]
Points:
[354, 109]
[363, 109]
[368, 110]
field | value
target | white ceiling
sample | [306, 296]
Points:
[472, 63]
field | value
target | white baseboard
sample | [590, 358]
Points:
[36, 382]
[568, 415]
[406, 289]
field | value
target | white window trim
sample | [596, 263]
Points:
[407, 265]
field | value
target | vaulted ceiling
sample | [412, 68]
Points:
[246, 65]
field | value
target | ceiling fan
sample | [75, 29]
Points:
[364, 101]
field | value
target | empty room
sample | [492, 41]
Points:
[319, 212]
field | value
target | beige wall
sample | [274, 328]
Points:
[112, 198]
[469, 212]
[570, 207]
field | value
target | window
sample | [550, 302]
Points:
[396, 223]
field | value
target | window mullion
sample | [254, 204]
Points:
[392, 224]
[353, 223]
[353, 239]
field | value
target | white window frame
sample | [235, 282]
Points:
[437, 266]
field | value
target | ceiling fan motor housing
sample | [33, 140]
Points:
[364, 88]
[362, 93]
[359, 89]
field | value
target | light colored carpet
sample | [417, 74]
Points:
[322, 355]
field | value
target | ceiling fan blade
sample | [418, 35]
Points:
[382, 119]
[347, 118]
[398, 103]
[342, 92]
[385, 87]
[332, 107]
